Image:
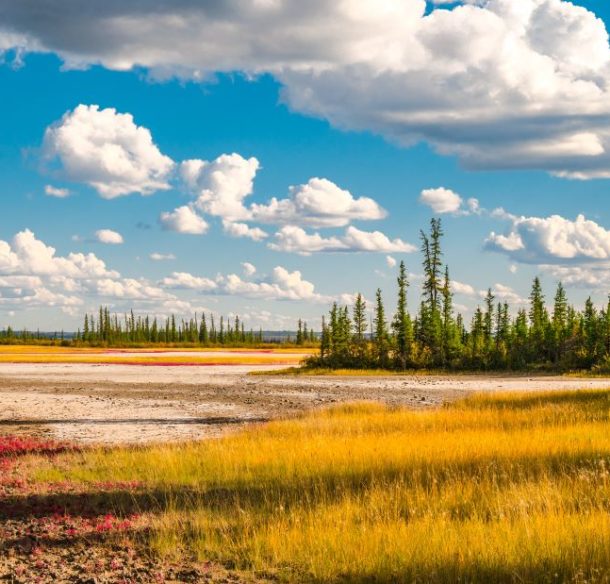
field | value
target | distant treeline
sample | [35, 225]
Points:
[106, 329]
[436, 338]
[9, 336]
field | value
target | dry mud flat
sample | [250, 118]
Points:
[114, 404]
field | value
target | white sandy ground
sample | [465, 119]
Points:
[113, 404]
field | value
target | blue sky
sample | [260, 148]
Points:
[254, 106]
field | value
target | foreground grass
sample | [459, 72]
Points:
[502, 488]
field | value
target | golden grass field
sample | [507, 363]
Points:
[495, 488]
[170, 356]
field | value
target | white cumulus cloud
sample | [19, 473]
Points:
[282, 285]
[244, 230]
[183, 220]
[293, 239]
[108, 151]
[188, 281]
[461, 288]
[221, 185]
[497, 83]
[249, 269]
[441, 200]
[108, 236]
[553, 240]
[318, 203]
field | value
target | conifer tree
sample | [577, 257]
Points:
[451, 332]
[203, 331]
[560, 322]
[538, 318]
[360, 326]
[430, 314]
[324, 341]
[401, 325]
[590, 331]
[380, 342]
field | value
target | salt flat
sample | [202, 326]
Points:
[111, 404]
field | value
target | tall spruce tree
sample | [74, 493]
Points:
[360, 326]
[451, 333]
[401, 325]
[538, 322]
[381, 338]
[560, 322]
[430, 314]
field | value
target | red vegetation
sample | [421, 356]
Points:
[182, 364]
[71, 532]
[13, 446]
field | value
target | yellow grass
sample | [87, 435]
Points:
[46, 349]
[152, 360]
[34, 354]
[502, 488]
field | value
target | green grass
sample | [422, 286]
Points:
[495, 488]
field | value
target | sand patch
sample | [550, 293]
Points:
[112, 404]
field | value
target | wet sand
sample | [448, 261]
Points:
[114, 404]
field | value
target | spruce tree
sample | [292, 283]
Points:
[560, 322]
[430, 313]
[380, 342]
[360, 326]
[324, 341]
[538, 318]
[590, 331]
[203, 331]
[401, 325]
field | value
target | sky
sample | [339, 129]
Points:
[270, 157]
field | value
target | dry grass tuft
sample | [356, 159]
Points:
[496, 488]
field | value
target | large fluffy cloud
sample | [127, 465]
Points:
[589, 277]
[33, 275]
[282, 285]
[499, 83]
[319, 203]
[128, 289]
[553, 240]
[221, 185]
[108, 151]
[29, 255]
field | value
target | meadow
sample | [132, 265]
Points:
[165, 356]
[493, 488]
